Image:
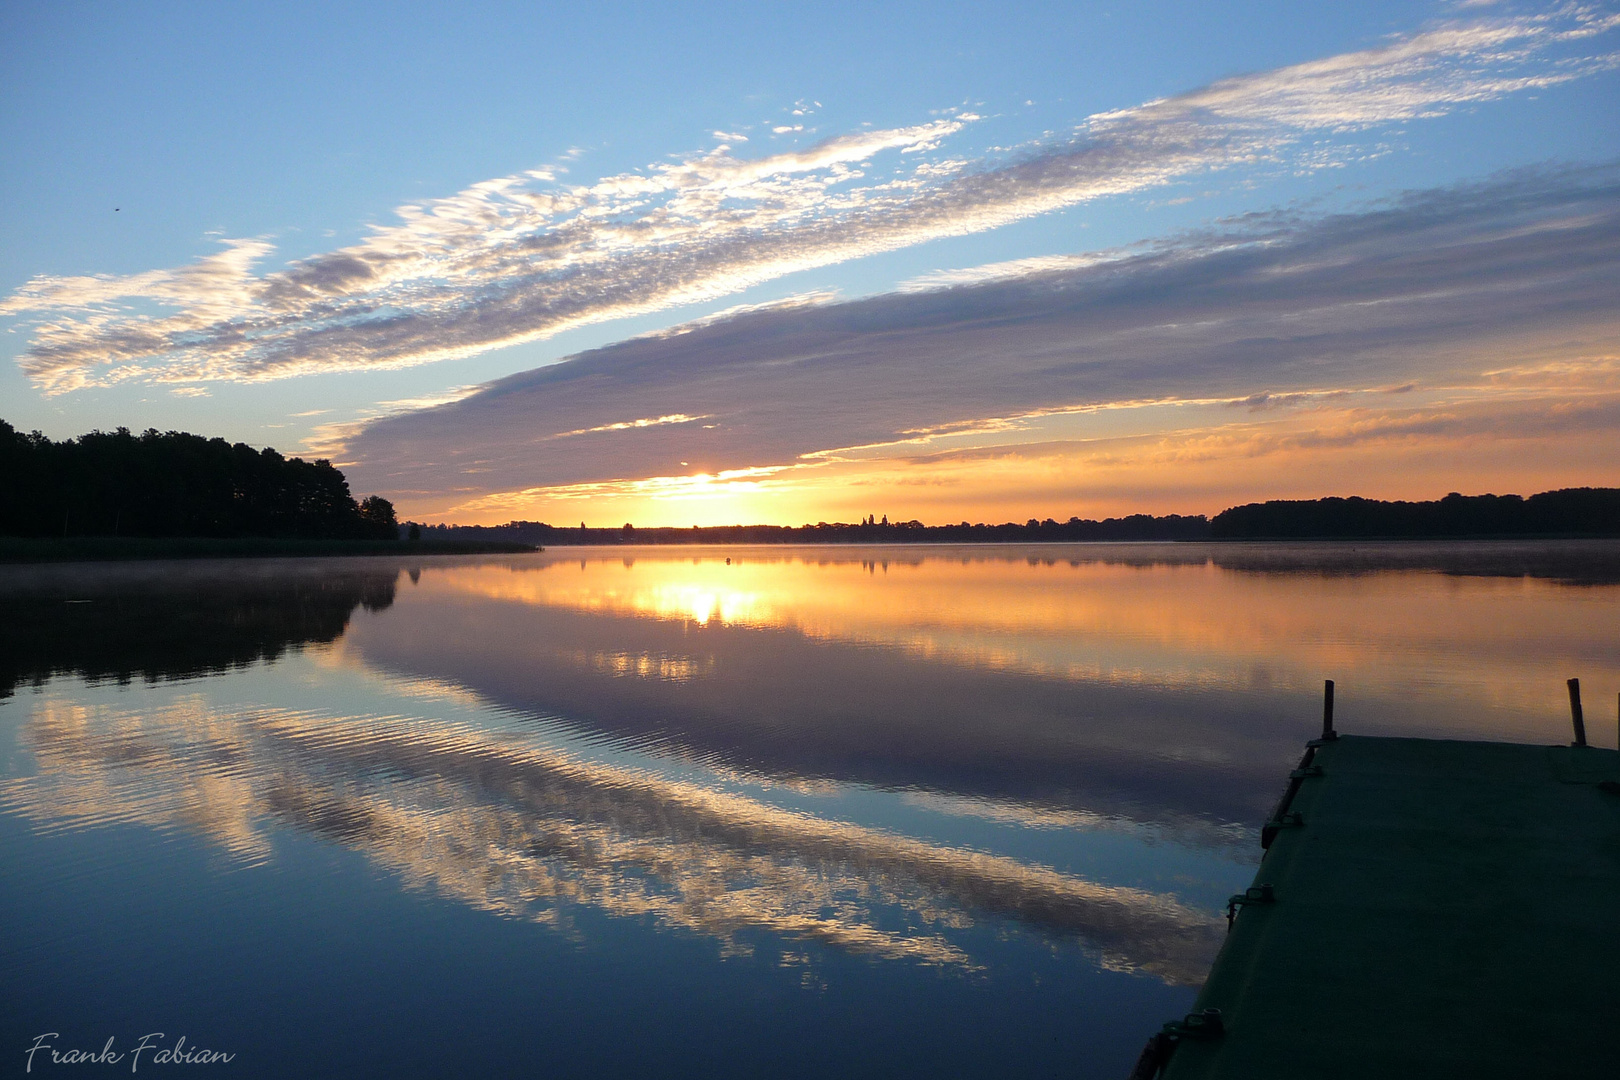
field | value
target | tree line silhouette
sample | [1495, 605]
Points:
[1134, 527]
[1567, 512]
[174, 484]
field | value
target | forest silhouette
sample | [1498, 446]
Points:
[173, 484]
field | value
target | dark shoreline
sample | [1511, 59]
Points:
[1569, 513]
[21, 549]
[1040, 541]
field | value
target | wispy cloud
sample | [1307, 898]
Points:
[630, 425]
[1500, 288]
[523, 257]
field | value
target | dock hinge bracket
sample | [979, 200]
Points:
[1254, 894]
[1291, 820]
[1200, 1026]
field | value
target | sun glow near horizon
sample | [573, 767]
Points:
[1409, 445]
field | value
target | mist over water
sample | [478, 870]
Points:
[726, 811]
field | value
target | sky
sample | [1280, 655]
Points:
[705, 264]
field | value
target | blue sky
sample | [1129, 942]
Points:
[202, 212]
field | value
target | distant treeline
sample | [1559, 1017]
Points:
[1569, 512]
[1135, 527]
[173, 484]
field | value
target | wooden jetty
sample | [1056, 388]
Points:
[1424, 908]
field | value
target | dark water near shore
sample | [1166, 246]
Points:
[815, 811]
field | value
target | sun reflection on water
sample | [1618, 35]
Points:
[1130, 617]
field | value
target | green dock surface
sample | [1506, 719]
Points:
[1441, 909]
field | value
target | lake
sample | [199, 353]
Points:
[774, 812]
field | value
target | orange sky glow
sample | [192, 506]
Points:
[1539, 427]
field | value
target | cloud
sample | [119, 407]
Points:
[628, 425]
[522, 257]
[1328, 427]
[1498, 288]
[328, 440]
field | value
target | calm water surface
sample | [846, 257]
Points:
[806, 812]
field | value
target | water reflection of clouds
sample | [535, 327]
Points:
[178, 767]
[1150, 686]
[1178, 617]
[503, 825]
[786, 705]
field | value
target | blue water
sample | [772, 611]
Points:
[950, 813]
